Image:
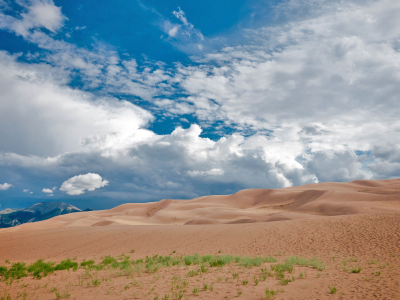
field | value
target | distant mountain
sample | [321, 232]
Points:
[34, 213]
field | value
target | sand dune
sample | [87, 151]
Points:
[246, 206]
[356, 223]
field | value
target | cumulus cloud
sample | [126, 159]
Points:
[26, 190]
[333, 77]
[47, 191]
[65, 119]
[5, 186]
[78, 184]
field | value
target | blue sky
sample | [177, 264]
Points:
[143, 100]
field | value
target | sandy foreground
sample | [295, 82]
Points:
[347, 226]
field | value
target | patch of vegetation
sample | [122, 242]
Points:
[195, 291]
[285, 281]
[355, 270]
[332, 290]
[41, 269]
[269, 293]
[123, 265]
[87, 263]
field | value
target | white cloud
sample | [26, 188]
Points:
[26, 190]
[189, 28]
[47, 191]
[78, 184]
[173, 31]
[64, 119]
[338, 71]
[212, 172]
[40, 14]
[5, 186]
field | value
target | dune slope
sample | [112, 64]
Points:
[247, 206]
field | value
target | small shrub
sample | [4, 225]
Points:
[239, 293]
[96, 282]
[195, 291]
[41, 269]
[108, 260]
[269, 293]
[332, 290]
[356, 270]
[245, 282]
[87, 263]
[66, 265]
[193, 273]
[255, 280]
[17, 270]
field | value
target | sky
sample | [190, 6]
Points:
[144, 100]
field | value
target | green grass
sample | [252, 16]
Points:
[269, 293]
[332, 290]
[96, 282]
[124, 266]
[355, 270]
[195, 291]
[87, 263]
[41, 269]
[255, 281]
[305, 262]
[221, 260]
[66, 265]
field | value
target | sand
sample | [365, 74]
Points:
[346, 225]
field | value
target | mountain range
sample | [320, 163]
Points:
[37, 212]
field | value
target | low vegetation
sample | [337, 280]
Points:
[196, 266]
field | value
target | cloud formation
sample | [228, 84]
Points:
[64, 119]
[310, 100]
[40, 14]
[5, 186]
[78, 184]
